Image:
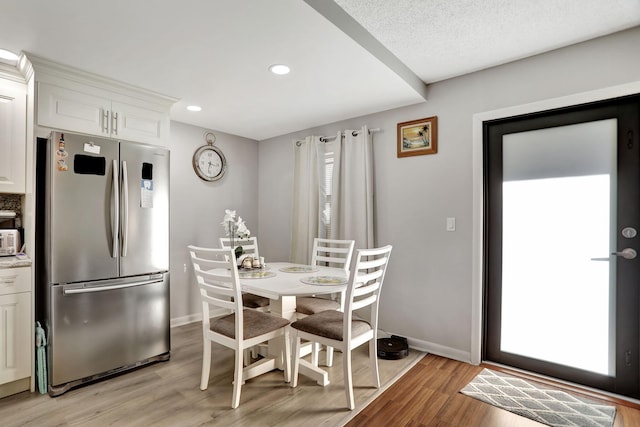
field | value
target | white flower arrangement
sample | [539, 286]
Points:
[235, 229]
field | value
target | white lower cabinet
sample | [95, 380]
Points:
[15, 324]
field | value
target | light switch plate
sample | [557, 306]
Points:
[451, 224]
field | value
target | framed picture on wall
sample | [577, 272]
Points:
[418, 137]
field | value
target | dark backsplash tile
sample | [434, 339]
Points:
[12, 202]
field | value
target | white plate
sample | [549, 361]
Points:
[256, 274]
[324, 280]
[299, 269]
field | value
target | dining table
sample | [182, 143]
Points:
[282, 283]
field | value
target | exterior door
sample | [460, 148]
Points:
[562, 209]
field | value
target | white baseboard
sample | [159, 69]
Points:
[196, 317]
[433, 348]
[185, 320]
[440, 350]
[424, 346]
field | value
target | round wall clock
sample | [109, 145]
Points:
[208, 161]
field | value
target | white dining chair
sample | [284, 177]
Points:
[331, 253]
[345, 330]
[250, 247]
[240, 330]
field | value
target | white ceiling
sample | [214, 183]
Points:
[215, 53]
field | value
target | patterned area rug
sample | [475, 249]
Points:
[535, 401]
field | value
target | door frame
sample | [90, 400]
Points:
[477, 268]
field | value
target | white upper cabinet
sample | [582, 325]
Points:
[66, 109]
[13, 118]
[76, 101]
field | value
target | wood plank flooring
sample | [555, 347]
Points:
[168, 394]
[428, 395]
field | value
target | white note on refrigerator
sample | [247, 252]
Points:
[146, 193]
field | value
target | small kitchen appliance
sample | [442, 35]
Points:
[10, 242]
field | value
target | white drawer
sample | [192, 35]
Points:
[13, 280]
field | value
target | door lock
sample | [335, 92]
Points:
[626, 253]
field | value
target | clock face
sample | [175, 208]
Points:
[209, 163]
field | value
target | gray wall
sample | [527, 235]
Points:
[197, 206]
[427, 294]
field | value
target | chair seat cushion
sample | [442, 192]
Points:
[329, 324]
[254, 301]
[255, 323]
[313, 305]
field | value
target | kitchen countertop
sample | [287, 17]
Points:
[12, 261]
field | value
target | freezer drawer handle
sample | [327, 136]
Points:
[108, 288]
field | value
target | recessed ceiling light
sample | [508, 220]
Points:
[6, 54]
[194, 108]
[279, 69]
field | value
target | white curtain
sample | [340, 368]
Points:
[305, 216]
[352, 200]
[351, 192]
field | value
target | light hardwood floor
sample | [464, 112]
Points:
[168, 394]
[428, 395]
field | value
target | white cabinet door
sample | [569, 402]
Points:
[13, 117]
[15, 336]
[67, 109]
[138, 124]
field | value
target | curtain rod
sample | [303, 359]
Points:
[342, 134]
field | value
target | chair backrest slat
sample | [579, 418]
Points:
[365, 289]
[249, 245]
[363, 302]
[210, 296]
[369, 275]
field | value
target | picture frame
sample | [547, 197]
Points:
[418, 137]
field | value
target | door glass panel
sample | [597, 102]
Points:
[559, 222]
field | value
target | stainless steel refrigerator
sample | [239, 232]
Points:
[102, 256]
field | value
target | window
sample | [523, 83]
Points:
[326, 182]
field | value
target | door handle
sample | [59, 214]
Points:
[125, 209]
[115, 225]
[105, 121]
[114, 123]
[626, 253]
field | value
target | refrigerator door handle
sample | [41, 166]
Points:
[115, 221]
[125, 210]
[108, 288]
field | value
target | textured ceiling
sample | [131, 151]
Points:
[216, 53]
[439, 39]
